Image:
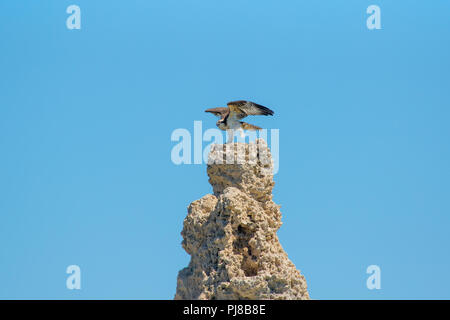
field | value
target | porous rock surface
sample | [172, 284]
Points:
[231, 234]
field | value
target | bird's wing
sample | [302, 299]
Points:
[221, 112]
[240, 109]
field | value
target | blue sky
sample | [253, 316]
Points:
[86, 118]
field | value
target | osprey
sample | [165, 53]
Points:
[229, 117]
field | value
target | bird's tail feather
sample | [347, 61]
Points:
[248, 126]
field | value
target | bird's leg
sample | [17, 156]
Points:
[230, 135]
[241, 131]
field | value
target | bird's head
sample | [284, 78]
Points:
[221, 124]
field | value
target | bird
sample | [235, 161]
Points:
[229, 117]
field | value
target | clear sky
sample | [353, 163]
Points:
[86, 117]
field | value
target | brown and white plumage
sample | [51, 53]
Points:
[242, 108]
[229, 117]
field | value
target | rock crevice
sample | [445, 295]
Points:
[231, 234]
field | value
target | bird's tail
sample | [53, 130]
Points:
[248, 126]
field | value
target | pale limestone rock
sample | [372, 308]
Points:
[231, 235]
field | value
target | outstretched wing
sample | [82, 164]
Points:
[221, 112]
[240, 109]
